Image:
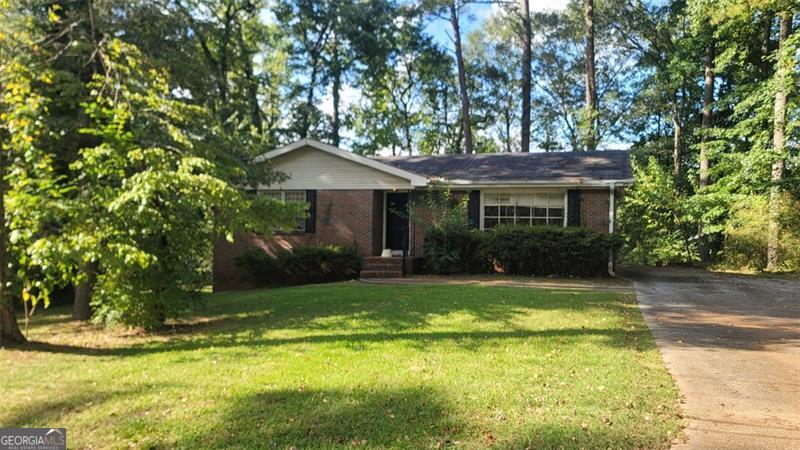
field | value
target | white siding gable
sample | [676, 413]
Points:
[310, 168]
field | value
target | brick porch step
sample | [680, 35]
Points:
[381, 274]
[378, 267]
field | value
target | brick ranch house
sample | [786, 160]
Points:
[355, 200]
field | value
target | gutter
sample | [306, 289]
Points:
[612, 210]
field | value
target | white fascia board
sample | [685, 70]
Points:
[414, 179]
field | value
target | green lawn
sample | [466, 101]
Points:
[351, 364]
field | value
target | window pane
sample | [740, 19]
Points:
[540, 221]
[540, 212]
[490, 210]
[523, 211]
[507, 211]
[524, 199]
[272, 194]
[489, 223]
[523, 221]
[295, 196]
[506, 221]
[556, 221]
[556, 212]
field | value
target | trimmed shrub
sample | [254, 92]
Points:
[519, 250]
[522, 250]
[305, 264]
[454, 249]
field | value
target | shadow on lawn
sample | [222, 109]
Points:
[49, 412]
[410, 418]
[396, 418]
[325, 314]
[470, 340]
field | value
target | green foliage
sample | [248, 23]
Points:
[542, 251]
[654, 219]
[519, 250]
[302, 265]
[450, 245]
[746, 235]
[454, 248]
[151, 200]
[31, 189]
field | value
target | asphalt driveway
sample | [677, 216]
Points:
[732, 343]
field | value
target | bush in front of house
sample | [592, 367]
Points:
[519, 250]
[302, 265]
[523, 250]
[454, 248]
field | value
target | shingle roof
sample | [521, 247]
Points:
[556, 167]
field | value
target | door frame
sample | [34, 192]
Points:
[386, 223]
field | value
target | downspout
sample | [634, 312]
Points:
[611, 214]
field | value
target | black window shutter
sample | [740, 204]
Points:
[474, 209]
[574, 208]
[311, 221]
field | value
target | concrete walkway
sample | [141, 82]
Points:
[732, 343]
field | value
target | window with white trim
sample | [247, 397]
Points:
[523, 209]
[290, 197]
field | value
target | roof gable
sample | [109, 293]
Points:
[414, 179]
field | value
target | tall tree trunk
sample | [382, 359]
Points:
[9, 329]
[591, 84]
[336, 71]
[527, 37]
[462, 80]
[83, 293]
[676, 137]
[778, 145]
[256, 115]
[507, 117]
[305, 123]
[708, 99]
[766, 41]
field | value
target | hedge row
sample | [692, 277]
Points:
[519, 250]
[302, 265]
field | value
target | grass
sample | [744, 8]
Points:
[349, 364]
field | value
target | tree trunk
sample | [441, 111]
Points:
[9, 329]
[83, 293]
[462, 80]
[766, 41]
[526, 75]
[591, 84]
[708, 99]
[336, 72]
[256, 116]
[778, 146]
[676, 137]
[305, 124]
[507, 116]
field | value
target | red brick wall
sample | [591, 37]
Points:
[344, 217]
[226, 276]
[594, 209]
